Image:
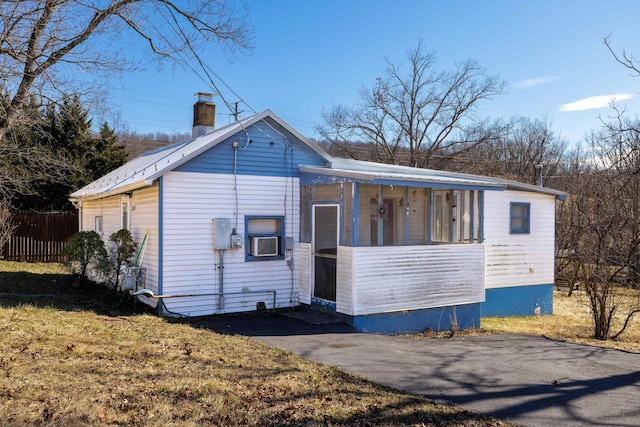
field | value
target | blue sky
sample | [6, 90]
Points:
[310, 55]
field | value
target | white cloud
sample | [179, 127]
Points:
[594, 102]
[536, 81]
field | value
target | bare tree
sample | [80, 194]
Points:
[44, 42]
[604, 206]
[513, 149]
[599, 224]
[410, 117]
[626, 59]
[575, 176]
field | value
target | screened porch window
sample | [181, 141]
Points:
[454, 216]
[390, 215]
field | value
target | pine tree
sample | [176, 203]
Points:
[109, 154]
[87, 156]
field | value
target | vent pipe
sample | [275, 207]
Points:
[539, 175]
[204, 114]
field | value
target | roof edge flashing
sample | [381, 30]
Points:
[116, 191]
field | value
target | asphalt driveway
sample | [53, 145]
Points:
[527, 380]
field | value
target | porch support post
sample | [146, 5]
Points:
[452, 223]
[429, 224]
[355, 214]
[341, 223]
[472, 212]
[481, 209]
[380, 219]
[406, 216]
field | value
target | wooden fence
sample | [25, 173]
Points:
[40, 237]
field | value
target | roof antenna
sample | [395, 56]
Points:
[236, 113]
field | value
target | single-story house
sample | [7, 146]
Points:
[254, 215]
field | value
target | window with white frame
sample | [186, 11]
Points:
[98, 224]
[520, 218]
[125, 211]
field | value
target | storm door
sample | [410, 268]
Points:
[325, 251]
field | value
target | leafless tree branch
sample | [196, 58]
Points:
[410, 118]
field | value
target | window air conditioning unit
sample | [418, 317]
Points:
[264, 246]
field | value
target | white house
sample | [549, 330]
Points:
[254, 214]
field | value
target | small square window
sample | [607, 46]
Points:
[520, 218]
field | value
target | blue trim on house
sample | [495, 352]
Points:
[160, 240]
[323, 305]
[525, 217]
[262, 151]
[517, 301]
[414, 321]
[307, 178]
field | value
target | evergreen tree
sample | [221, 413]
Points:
[87, 156]
[109, 153]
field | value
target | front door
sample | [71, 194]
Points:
[325, 253]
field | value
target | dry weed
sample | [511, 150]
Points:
[571, 321]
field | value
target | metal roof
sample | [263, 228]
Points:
[370, 171]
[144, 170]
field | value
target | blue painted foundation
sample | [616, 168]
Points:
[517, 301]
[438, 319]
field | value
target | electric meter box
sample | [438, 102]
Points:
[222, 233]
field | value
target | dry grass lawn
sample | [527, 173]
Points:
[69, 358]
[571, 321]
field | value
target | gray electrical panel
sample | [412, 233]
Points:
[222, 233]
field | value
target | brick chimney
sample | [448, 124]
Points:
[204, 114]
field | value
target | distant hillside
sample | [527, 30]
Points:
[139, 143]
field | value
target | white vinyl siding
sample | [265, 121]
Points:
[305, 266]
[519, 259]
[397, 278]
[143, 217]
[108, 209]
[345, 280]
[191, 201]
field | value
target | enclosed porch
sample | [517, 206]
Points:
[392, 254]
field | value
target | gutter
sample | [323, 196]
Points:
[114, 192]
